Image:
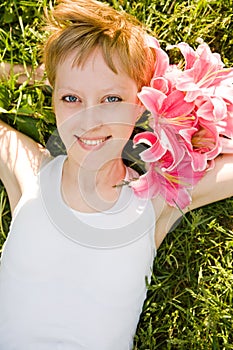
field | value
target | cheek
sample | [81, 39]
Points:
[127, 120]
[67, 126]
[63, 114]
[60, 110]
[56, 109]
[123, 132]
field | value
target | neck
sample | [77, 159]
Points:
[92, 190]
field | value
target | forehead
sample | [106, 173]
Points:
[93, 67]
[93, 62]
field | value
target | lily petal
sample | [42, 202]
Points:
[188, 53]
[155, 152]
[212, 108]
[152, 99]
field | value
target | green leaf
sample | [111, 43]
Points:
[4, 98]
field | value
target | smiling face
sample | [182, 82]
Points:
[95, 108]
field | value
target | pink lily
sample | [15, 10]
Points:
[202, 144]
[167, 82]
[152, 42]
[172, 185]
[223, 91]
[171, 109]
[204, 72]
[189, 54]
[212, 108]
[226, 144]
[162, 59]
[161, 84]
[169, 114]
[192, 122]
[156, 149]
[225, 127]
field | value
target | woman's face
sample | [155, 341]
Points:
[95, 108]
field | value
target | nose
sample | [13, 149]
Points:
[90, 118]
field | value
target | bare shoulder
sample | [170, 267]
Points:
[217, 184]
[20, 160]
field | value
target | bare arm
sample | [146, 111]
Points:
[217, 184]
[20, 156]
[20, 159]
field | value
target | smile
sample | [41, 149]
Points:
[91, 142]
[95, 142]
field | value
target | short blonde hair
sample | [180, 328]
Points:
[82, 25]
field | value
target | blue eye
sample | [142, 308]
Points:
[70, 99]
[112, 99]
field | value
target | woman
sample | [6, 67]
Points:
[80, 247]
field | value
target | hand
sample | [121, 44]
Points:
[6, 69]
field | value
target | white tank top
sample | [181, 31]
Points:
[71, 280]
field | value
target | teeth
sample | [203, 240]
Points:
[92, 142]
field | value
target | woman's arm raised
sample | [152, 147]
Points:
[20, 159]
[217, 184]
[20, 156]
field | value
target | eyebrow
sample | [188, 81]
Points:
[67, 88]
[105, 90]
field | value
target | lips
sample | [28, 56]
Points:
[89, 143]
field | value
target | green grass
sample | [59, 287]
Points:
[189, 303]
